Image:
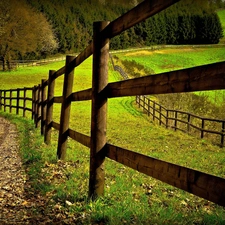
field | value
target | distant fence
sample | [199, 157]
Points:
[26, 63]
[183, 121]
[207, 77]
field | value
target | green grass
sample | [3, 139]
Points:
[169, 59]
[130, 197]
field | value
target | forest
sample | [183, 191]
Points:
[65, 26]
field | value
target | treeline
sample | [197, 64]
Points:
[184, 23]
[187, 22]
[72, 19]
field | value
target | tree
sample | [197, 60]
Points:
[23, 30]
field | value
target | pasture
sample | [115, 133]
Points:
[130, 197]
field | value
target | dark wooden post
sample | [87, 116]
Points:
[148, 107]
[33, 103]
[160, 115]
[0, 99]
[10, 101]
[167, 120]
[188, 125]
[65, 109]
[4, 100]
[222, 135]
[175, 121]
[24, 102]
[99, 111]
[49, 111]
[43, 105]
[203, 126]
[153, 110]
[18, 101]
[38, 106]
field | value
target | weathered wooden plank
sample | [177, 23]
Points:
[76, 61]
[88, 51]
[79, 137]
[198, 183]
[82, 95]
[141, 12]
[201, 78]
[99, 111]
[55, 125]
[59, 72]
[58, 99]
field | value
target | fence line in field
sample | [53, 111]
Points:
[183, 121]
[207, 77]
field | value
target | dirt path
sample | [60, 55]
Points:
[20, 203]
[17, 204]
[12, 176]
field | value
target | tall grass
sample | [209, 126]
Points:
[130, 197]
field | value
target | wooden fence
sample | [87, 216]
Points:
[25, 63]
[207, 77]
[183, 121]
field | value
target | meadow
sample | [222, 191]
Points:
[130, 197]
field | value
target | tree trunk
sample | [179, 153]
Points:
[3, 64]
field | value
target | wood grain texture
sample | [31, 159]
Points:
[198, 183]
[79, 137]
[201, 78]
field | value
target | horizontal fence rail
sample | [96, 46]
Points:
[183, 121]
[207, 77]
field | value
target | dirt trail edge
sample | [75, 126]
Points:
[19, 202]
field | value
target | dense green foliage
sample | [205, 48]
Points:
[184, 23]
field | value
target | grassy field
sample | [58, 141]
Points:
[130, 197]
[169, 59]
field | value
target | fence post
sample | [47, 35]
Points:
[99, 111]
[222, 135]
[38, 106]
[65, 109]
[0, 99]
[148, 107]
[153, 110]
[18, 101]
[160, 115]
[33, 103]
[175, 121]
[49, 111]
[188, 126]
[4, 100]
[203, 126]
[10, 102]
[43, 105]
[167, 120]
[24, 102]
